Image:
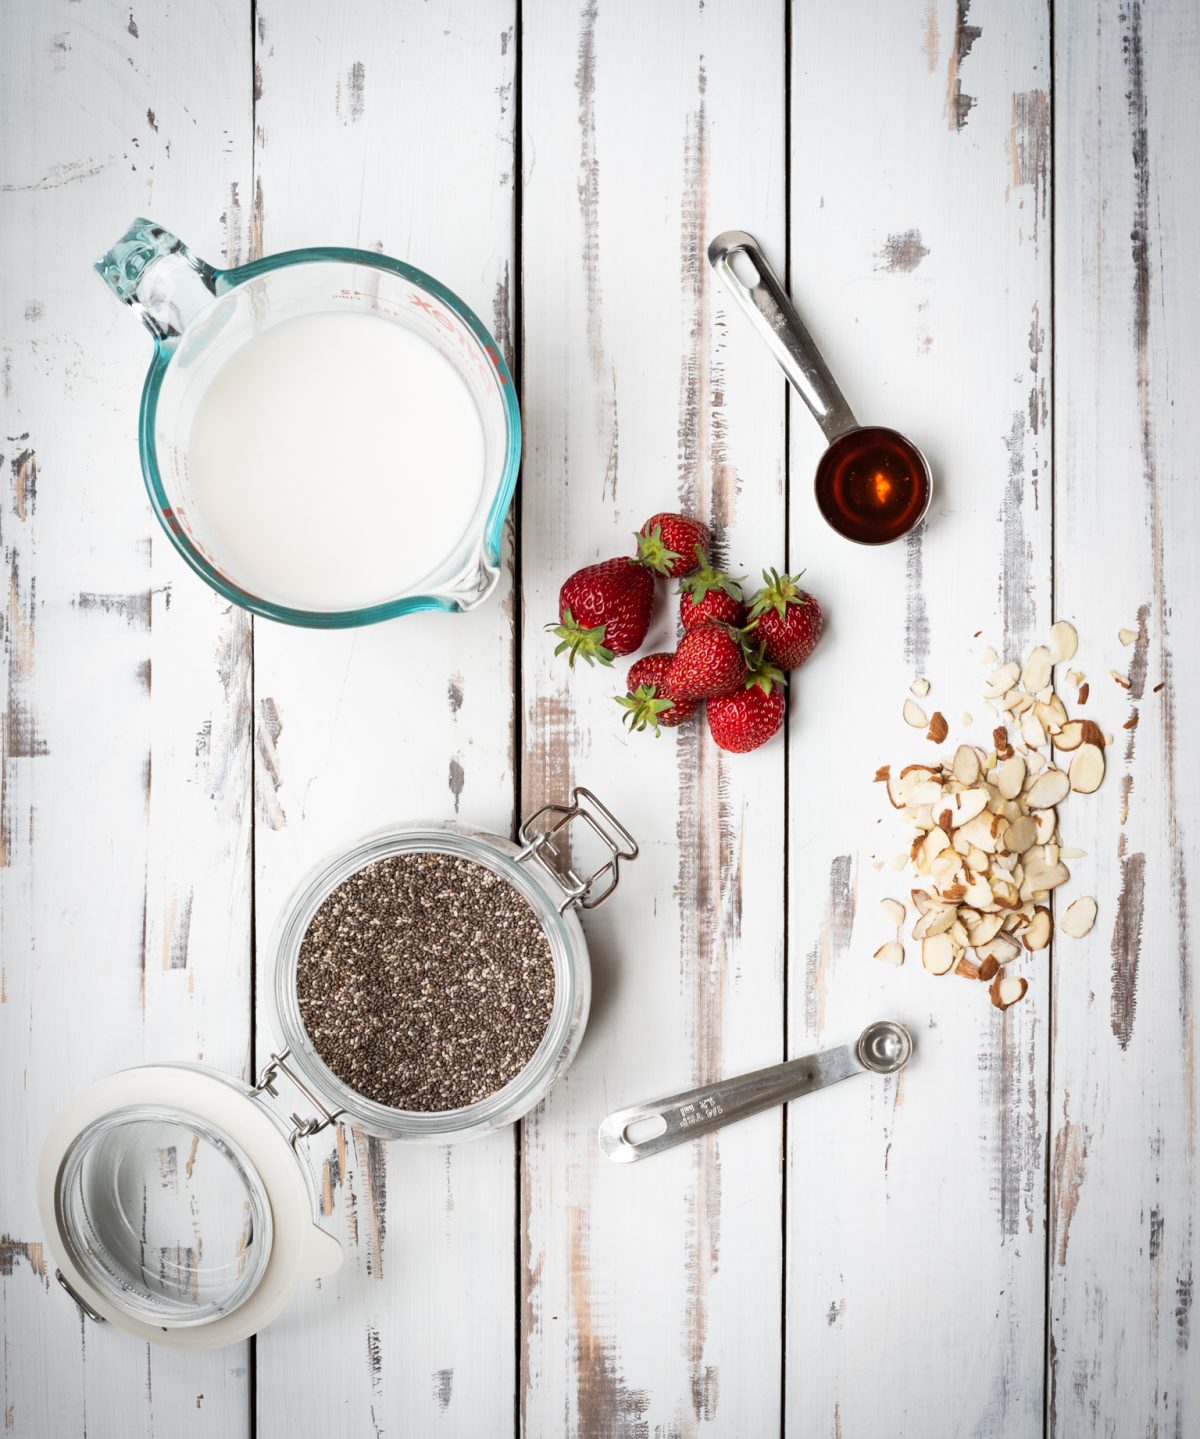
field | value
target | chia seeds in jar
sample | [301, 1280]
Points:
[425, 981]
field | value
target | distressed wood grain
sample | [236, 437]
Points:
[641, 394]
[1123, 1342]
[391, 128]
[920, 257]
[127, 683]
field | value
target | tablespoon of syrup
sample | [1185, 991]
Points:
[872, 484]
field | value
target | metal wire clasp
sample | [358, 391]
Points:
[302, 1127]
[539, 845]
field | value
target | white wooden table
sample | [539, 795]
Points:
[988, 214]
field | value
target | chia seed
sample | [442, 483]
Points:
[425, 981]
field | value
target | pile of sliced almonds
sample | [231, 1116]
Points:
[985, 829]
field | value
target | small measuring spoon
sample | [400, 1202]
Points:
[644, 1129]
[872, 484]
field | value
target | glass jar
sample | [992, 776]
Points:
[139, 1163]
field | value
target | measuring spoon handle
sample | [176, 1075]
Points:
[698, 1111]
[761, 295]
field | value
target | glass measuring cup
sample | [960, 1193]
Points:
[205, 322]
[872, 484]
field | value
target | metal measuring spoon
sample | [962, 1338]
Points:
[644, 1129]
[872, 483]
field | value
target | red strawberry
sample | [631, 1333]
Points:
[711, 595]
[604, 610]
[708, 662]
[666, 544]
[786, 619]
[649, 700]
[748, 719]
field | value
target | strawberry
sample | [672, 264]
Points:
[709, 661]
[604, 610]
[743, 721]
[666, 544]
[711, 595]
[649, 700]
[786, 619]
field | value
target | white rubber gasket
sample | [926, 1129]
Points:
[300, 1250]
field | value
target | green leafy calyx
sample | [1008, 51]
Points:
[704, 579]
[642, 708]
[653, 552]
[778, 592]
[579, 642]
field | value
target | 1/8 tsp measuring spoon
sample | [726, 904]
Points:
[884, 1047]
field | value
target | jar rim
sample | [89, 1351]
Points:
[563, 933]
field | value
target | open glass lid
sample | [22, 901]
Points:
[176, 1206]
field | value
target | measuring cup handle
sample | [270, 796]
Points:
[158, 277]
[761, 295]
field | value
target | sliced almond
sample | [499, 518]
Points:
[893, 910]
[989, 969]
[937, 953]
[1011, 777]
[1045, 821]
[965, 765]
[1064, 641]
[978, 892]
[938, 728]
[914, 715]
[1049, 788]
[890, 953]
[1038, 669]
[1005, 990]
[1079, 918]
[966, 805]
[1032, 731]
[1122, 680]
[1020, 835]
[919, 687]
[1087, 769]
[1002, 680]
[978, 832]
[988, 656]
[966, 968]
[965, 719]
[1036, 934]
[1070, 737]
[1002, 948]
[921, 900]
[927, 791]
[1126, 636]
[987, 929]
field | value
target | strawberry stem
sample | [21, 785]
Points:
[653, 552]
[705, 578]
[580, 642]
[778, 592]
[642, 709]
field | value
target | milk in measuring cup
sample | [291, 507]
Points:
[334, 461]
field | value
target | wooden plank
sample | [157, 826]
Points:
[651, 1293]
[402, 115]
[1125, 1177]
[127, 697]
[920, 257]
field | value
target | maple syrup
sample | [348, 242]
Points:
[872, 485]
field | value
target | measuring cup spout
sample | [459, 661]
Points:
[158, 277]
[739, 261]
